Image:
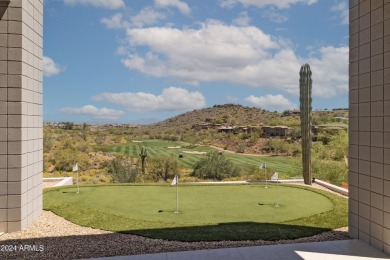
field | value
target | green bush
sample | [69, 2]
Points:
[333, 171]
[163, 167]
[65, 159]
[326, 170]
[241, 148]
[215, 166]
[122, 170]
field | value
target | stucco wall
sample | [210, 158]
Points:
[21, 31]
[369, 150]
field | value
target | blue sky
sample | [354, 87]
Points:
[137, 61]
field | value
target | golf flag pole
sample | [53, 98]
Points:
[176, 182]
[76, 169]
[177, 194]
[264, 166]
[275, 177]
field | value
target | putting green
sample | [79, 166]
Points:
[198, 205]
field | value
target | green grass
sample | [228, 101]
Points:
[207, 213]
[155, 147]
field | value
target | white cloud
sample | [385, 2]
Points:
[239, 55]
[146, 16]
[182, 6]
[171, 99]
[243, 19]
[109, 4]
[94, 112]
[330, 71]
[275, 16]
[343, 10]
[115, 21]
[263, 3]
[215, 49]
[271, 102]
[121, 50]
[50, 68]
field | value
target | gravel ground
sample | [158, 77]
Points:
[53, 237]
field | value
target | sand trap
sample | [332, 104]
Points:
[136, 141]
[174, 147]
[194, 152]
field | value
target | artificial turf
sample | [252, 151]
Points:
[207, 213]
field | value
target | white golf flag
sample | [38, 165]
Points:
[75, 168]
[275, 177]
[175, 180]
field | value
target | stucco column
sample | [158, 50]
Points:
[21, 31]
[369, 122]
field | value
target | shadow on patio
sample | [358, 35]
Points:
[116, 244]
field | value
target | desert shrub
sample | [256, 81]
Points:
[276, 144]
[69, 150]
[65, 159]
[335, 149]
[241, 148]
[333, 171]
[292, 148]
[187, 179]
[254, 173]
[245, 136]
[215, 166]
[339, 145]
[102, 148]
[163, 167]
[295, 171]
[122, 170]
[86, 179]
[254, 137]
[103, 179]
[48, 142]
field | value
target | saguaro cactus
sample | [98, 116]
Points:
[305, 86]
[143, 154]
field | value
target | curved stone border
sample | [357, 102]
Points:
[329, 186]
[332, 187]
[61, 181]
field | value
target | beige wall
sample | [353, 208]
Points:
[21, 33]
[369, 94]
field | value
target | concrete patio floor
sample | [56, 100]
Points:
[334, 250]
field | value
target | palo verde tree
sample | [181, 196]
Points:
[143, 154]
[305, 86]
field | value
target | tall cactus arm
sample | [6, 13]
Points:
[305, 89]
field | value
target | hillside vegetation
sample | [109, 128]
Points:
[181, 128]
[234, 114]
[223, 114]
[109, 153]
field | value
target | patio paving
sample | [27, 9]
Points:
[335, 250]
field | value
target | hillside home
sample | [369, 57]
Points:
[275, 130]
[226, 129]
